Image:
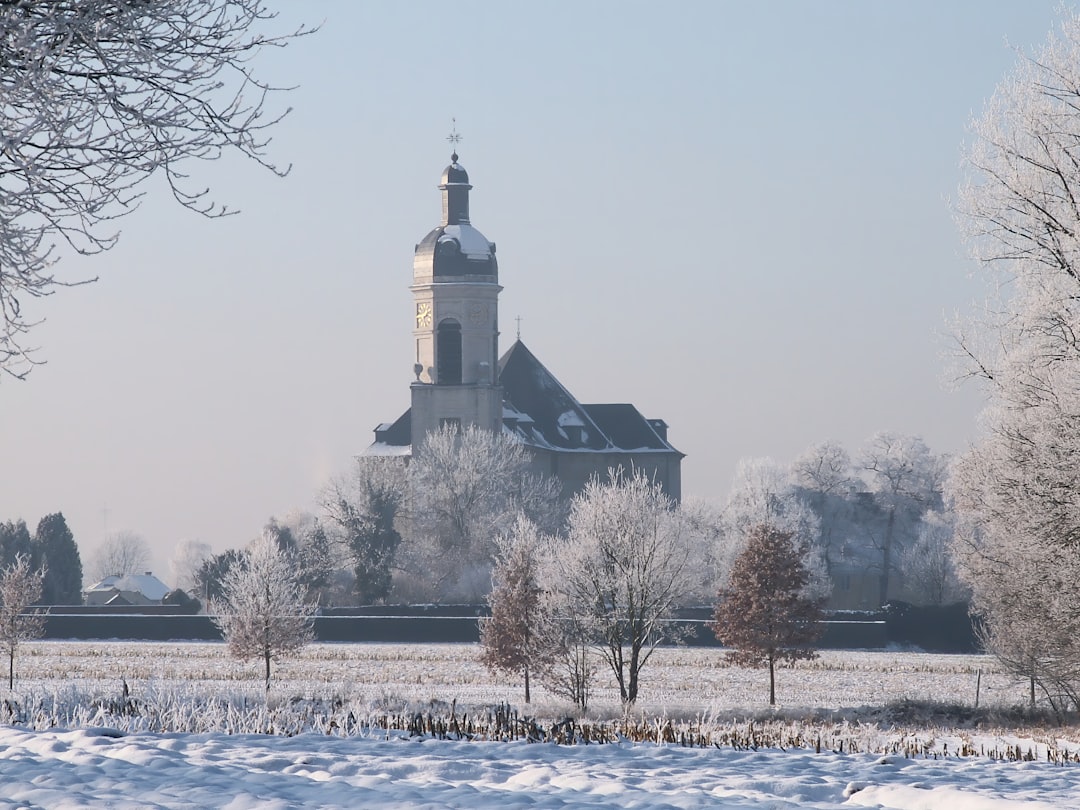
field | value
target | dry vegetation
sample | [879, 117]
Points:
[902, 703]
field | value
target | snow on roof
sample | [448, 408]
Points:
[147, 584]
[384, 449]
[473, 243]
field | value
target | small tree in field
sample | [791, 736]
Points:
[764, 614]
[516, 638]
[263, 613]
[20, 587]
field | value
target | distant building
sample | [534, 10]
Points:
[460, 379]
[133, 589]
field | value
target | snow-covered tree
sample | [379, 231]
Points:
[621, 570]
[98, 96]
[20, 587]
[464, 486]
[263, 613]
[764, 492]
[906, 480]
[766, 614]
[188, 557]
[121, 554]
[824, 478]
[1016, 489]
[518, 637]
[930, 576]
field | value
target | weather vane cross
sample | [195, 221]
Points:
[454, 137]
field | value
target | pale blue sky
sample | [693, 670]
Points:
[733, 215]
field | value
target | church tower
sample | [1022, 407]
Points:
[456, 332]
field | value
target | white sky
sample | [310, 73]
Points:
[733, 215]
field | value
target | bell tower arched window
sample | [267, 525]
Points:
[448, 352]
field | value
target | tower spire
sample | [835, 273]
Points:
[454, 138]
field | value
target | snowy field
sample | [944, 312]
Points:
[69, 742]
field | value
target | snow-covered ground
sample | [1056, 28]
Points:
[58, 756]
[88, 768]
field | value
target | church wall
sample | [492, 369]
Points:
[575, 469]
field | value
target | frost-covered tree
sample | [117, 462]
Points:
[906, 479]
[54, 551]
[121, 554]
[20, 587]
[764, 492]
[621, 569]
[823, 477]
[518, 637]
[188, 557]
[464, 486]
[98, 95]
[1016, 488]
[263, 613]
[364, 509]
[930, 575]
[767, 614]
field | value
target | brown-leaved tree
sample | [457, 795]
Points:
[765, 613]
[517, 638]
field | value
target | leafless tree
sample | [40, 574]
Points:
[187, 559]
[1016, 487]
[464, 487]
[20, 587]
[121, 554]
[263, 614]
[98, 95]
[906, 479]
[766, 614]
[621, 570]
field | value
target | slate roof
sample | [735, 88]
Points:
[542, 413]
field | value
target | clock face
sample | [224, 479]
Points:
[477, 314]
[423, 314]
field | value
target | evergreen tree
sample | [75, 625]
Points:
[765, 614]
[212, 573]
[14, 540]
[54, 550]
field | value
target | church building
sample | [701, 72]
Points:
[461, 380]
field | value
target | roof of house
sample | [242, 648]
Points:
[147, 584]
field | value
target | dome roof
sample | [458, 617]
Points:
[455, 250]
[454, 174]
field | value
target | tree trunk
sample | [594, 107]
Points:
[886, 559]
[635, 657]
[11, 668]
[267, 656]
[772, 680]
[526, 683]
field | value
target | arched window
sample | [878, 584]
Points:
[448, 352]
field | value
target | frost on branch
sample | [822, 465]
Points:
[98, 95]
[1016, 489]
[20, 587]
[621, 570]
[263, 613]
